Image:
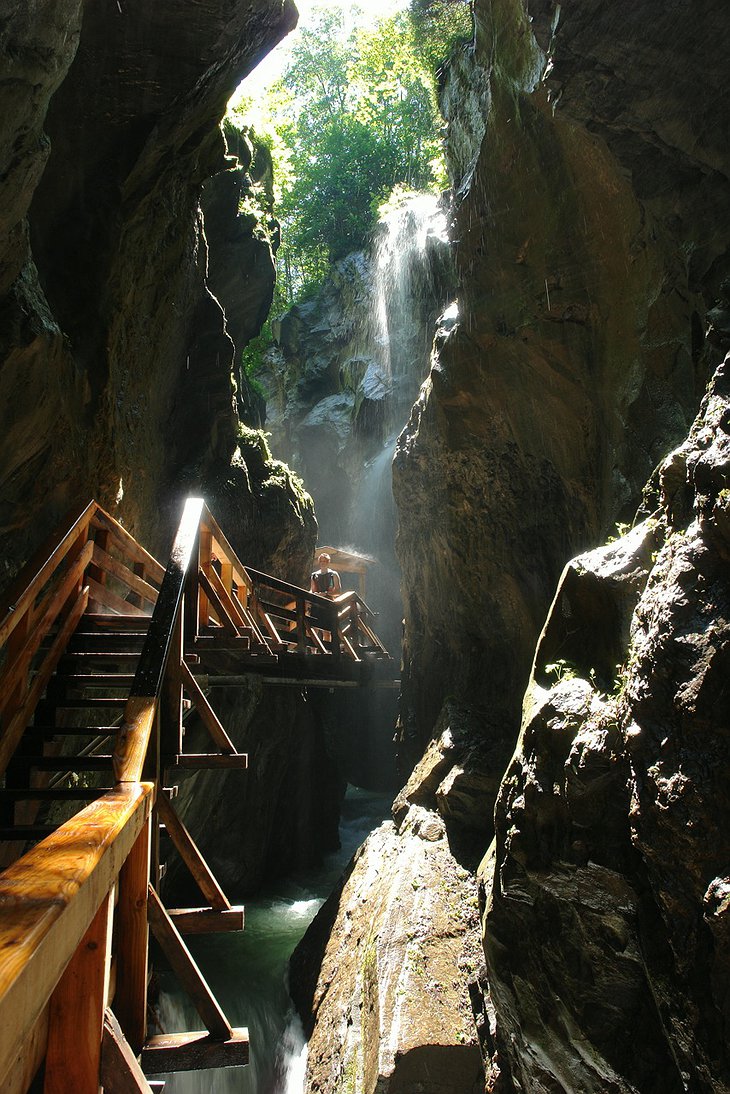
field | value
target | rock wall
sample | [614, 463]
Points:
[123, 310]
[116, 364]
[606, 893]
[590, 168]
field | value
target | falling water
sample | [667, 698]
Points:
[410, 278]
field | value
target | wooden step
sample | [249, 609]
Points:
[53, 794]
[209, 760]
[195, 1051]
[96, 679]
[68, 763]
[102, 657]
[207, 920]
[79, 702]
[47, 732]
[103, 621]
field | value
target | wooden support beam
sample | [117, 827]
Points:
[76, 1016]
[194, 1052]
[127, 544]
[206, 761]
[106, 564]
[130, 1001]
[207, 714]
[121, 1072]
[186, 970]
[191, 856]
[226, 620]
[207, 920]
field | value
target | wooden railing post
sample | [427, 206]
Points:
[76, 1015]
[205, 557]
[301, 625]
[130, 1000]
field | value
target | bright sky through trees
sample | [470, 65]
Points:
[272, 66]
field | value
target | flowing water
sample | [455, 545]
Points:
[247, 971]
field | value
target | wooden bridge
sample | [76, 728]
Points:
[104, 653]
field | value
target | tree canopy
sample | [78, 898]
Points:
[353, 117]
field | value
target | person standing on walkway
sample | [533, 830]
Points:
[325, 581]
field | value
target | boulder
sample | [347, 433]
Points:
[380, 978]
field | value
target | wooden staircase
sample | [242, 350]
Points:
[104, 656]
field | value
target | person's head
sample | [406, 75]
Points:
[324, 561]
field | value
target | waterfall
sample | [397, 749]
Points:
[410, 270]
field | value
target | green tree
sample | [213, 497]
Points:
[360, 119]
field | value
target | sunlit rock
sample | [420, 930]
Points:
[386, 997]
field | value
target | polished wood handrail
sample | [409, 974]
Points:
[48, 898]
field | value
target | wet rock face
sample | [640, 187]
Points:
[380, 977]
[606, 892]
[584, 166]
[116, 367]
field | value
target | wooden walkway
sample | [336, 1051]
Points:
[104, 654]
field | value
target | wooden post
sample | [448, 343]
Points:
[301, 625]
[204, 561]
[76, 1017]
[171, 705]
[130, 1001]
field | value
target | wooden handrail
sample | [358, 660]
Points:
[32, 577]
[48, 898]
[140, 710]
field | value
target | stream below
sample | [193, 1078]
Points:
[248, 971]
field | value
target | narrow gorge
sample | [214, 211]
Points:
[512, 407]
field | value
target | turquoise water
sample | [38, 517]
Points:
[247, 971]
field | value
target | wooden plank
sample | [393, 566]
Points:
[194, 1052]
[110, 565]
[130, 1000]
[301, 625]
[223, 543]
[205, 553]
[25, 1067]
[191, 856]
[45, 613]
[171, 706]
[114, 603]
[133, 737]
[127, 544]
[47, 901]
[32, 577]
[215, 602]
[207, 714]
[186, 969]
[76, 1016]
[228, 602]
[121, 1072]
[199, 761]
[207, 920]
[15, 728]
